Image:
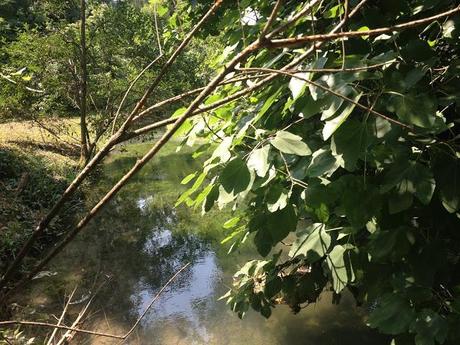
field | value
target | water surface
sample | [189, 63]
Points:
[140, 240]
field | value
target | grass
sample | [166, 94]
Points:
[28, 138]
[35, 168]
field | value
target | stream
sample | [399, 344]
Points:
[140, 240]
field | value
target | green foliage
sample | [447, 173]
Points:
[121, 40]
[28, 187]
[336, 196]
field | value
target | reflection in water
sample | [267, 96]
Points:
[141, 241]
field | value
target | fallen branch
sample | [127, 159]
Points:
[80, 315]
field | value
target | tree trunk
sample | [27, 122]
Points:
[84, 152]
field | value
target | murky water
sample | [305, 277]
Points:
[140, 240]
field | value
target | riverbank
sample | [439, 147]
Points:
[35, 168]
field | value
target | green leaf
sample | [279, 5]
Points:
[364, 28]
[419, 110]
[231, 223]
[281, 223]
[350, 142]
[211, 198]
[297, 85]
[277, 198]
[271, 228]
[447, 174]
[341, 274]
[186, 195]
[188, 178]
[273, 287]
[290, 143]
[430, 328]
[267, 105]
[263, 242]
[233, 235]
[222, 152]
[313, 244]
[322, 163]
[332, 125]
[410, 177]
[258, 161]
[393, 314]
[334, 12]
[235, 178]
[399, 202]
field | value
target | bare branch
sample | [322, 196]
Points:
[288, 42]
[130, 88]
[271, 19]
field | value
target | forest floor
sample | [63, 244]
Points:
[36, 165]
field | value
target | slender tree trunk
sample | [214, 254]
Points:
[84, 152]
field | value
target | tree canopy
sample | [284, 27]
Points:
[332, 133]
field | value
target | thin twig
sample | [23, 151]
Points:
[271, 19]
[155, 14]
[241, 24]
[64, 311]
[153, 301]
[82, 313]
[345, 19]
